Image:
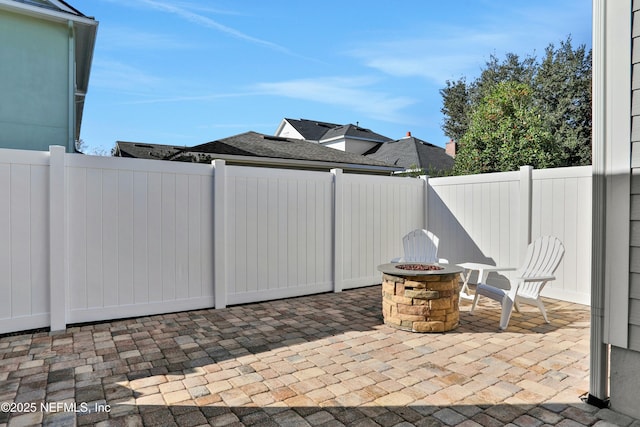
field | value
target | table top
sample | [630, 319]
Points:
[485, 267]
[392, 269]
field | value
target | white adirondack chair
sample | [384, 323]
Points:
[541, 261]
[420, 246]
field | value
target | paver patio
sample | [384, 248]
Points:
[317, 360]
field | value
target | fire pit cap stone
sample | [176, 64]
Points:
[392, 269]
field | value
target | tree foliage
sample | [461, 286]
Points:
[558, 106]
[456, 105]
[506, 131]
[563, 87]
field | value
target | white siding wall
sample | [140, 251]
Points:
[140, 237]
[24, 240]
[337, 145]
[289, 131]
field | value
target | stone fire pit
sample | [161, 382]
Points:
[420, 297]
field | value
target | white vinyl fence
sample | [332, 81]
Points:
[86, 238]
[286, 233]
[140, 237]
[490, 219]
[24, 240]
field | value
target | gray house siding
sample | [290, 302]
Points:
[634, 274]
[624, 333]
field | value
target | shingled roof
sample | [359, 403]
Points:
[142, 150]
[259, 149]
[313, 130]
[266, 146]
[412, 152]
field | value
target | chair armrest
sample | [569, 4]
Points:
[443, 260]
[536, 278]
[399, 259]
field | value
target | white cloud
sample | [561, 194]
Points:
[434, 58]
[190, 13]
[354, 93]
[192, 98]
[116, 38]
[120, 76]
[442, 52]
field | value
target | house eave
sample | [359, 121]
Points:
[306, 164]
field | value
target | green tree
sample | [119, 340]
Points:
[459, 98]
[563, 89]
[511, 69]
[560, 91]
[456, 103]
[506, 131]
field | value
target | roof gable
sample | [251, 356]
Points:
[353, 131]
[323, 132]
[311, 130]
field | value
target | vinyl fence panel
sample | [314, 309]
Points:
[279, 233]
[476, 219]
[140, 237]
[24, 240]
[377, 213]
[480, 218]
[561, 206]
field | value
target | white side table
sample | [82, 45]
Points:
[483, 271]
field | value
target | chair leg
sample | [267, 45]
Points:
[475, 302]
[516, 306]
[540, 305]
[507, 308]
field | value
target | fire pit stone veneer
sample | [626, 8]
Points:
[420, 297]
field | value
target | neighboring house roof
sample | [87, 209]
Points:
[353, 132]
[142, 150]
[85, 29]
[313, 130]
[412, 152]
[259, 149]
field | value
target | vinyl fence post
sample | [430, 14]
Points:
[219, 233]
[526, 186]
[425, 203]
[338, 238]
[58, 257]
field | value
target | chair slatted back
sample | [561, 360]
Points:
[420, 246]
[542, 259]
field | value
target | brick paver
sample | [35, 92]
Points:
[319, 360]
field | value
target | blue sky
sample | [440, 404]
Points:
[184, 72]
